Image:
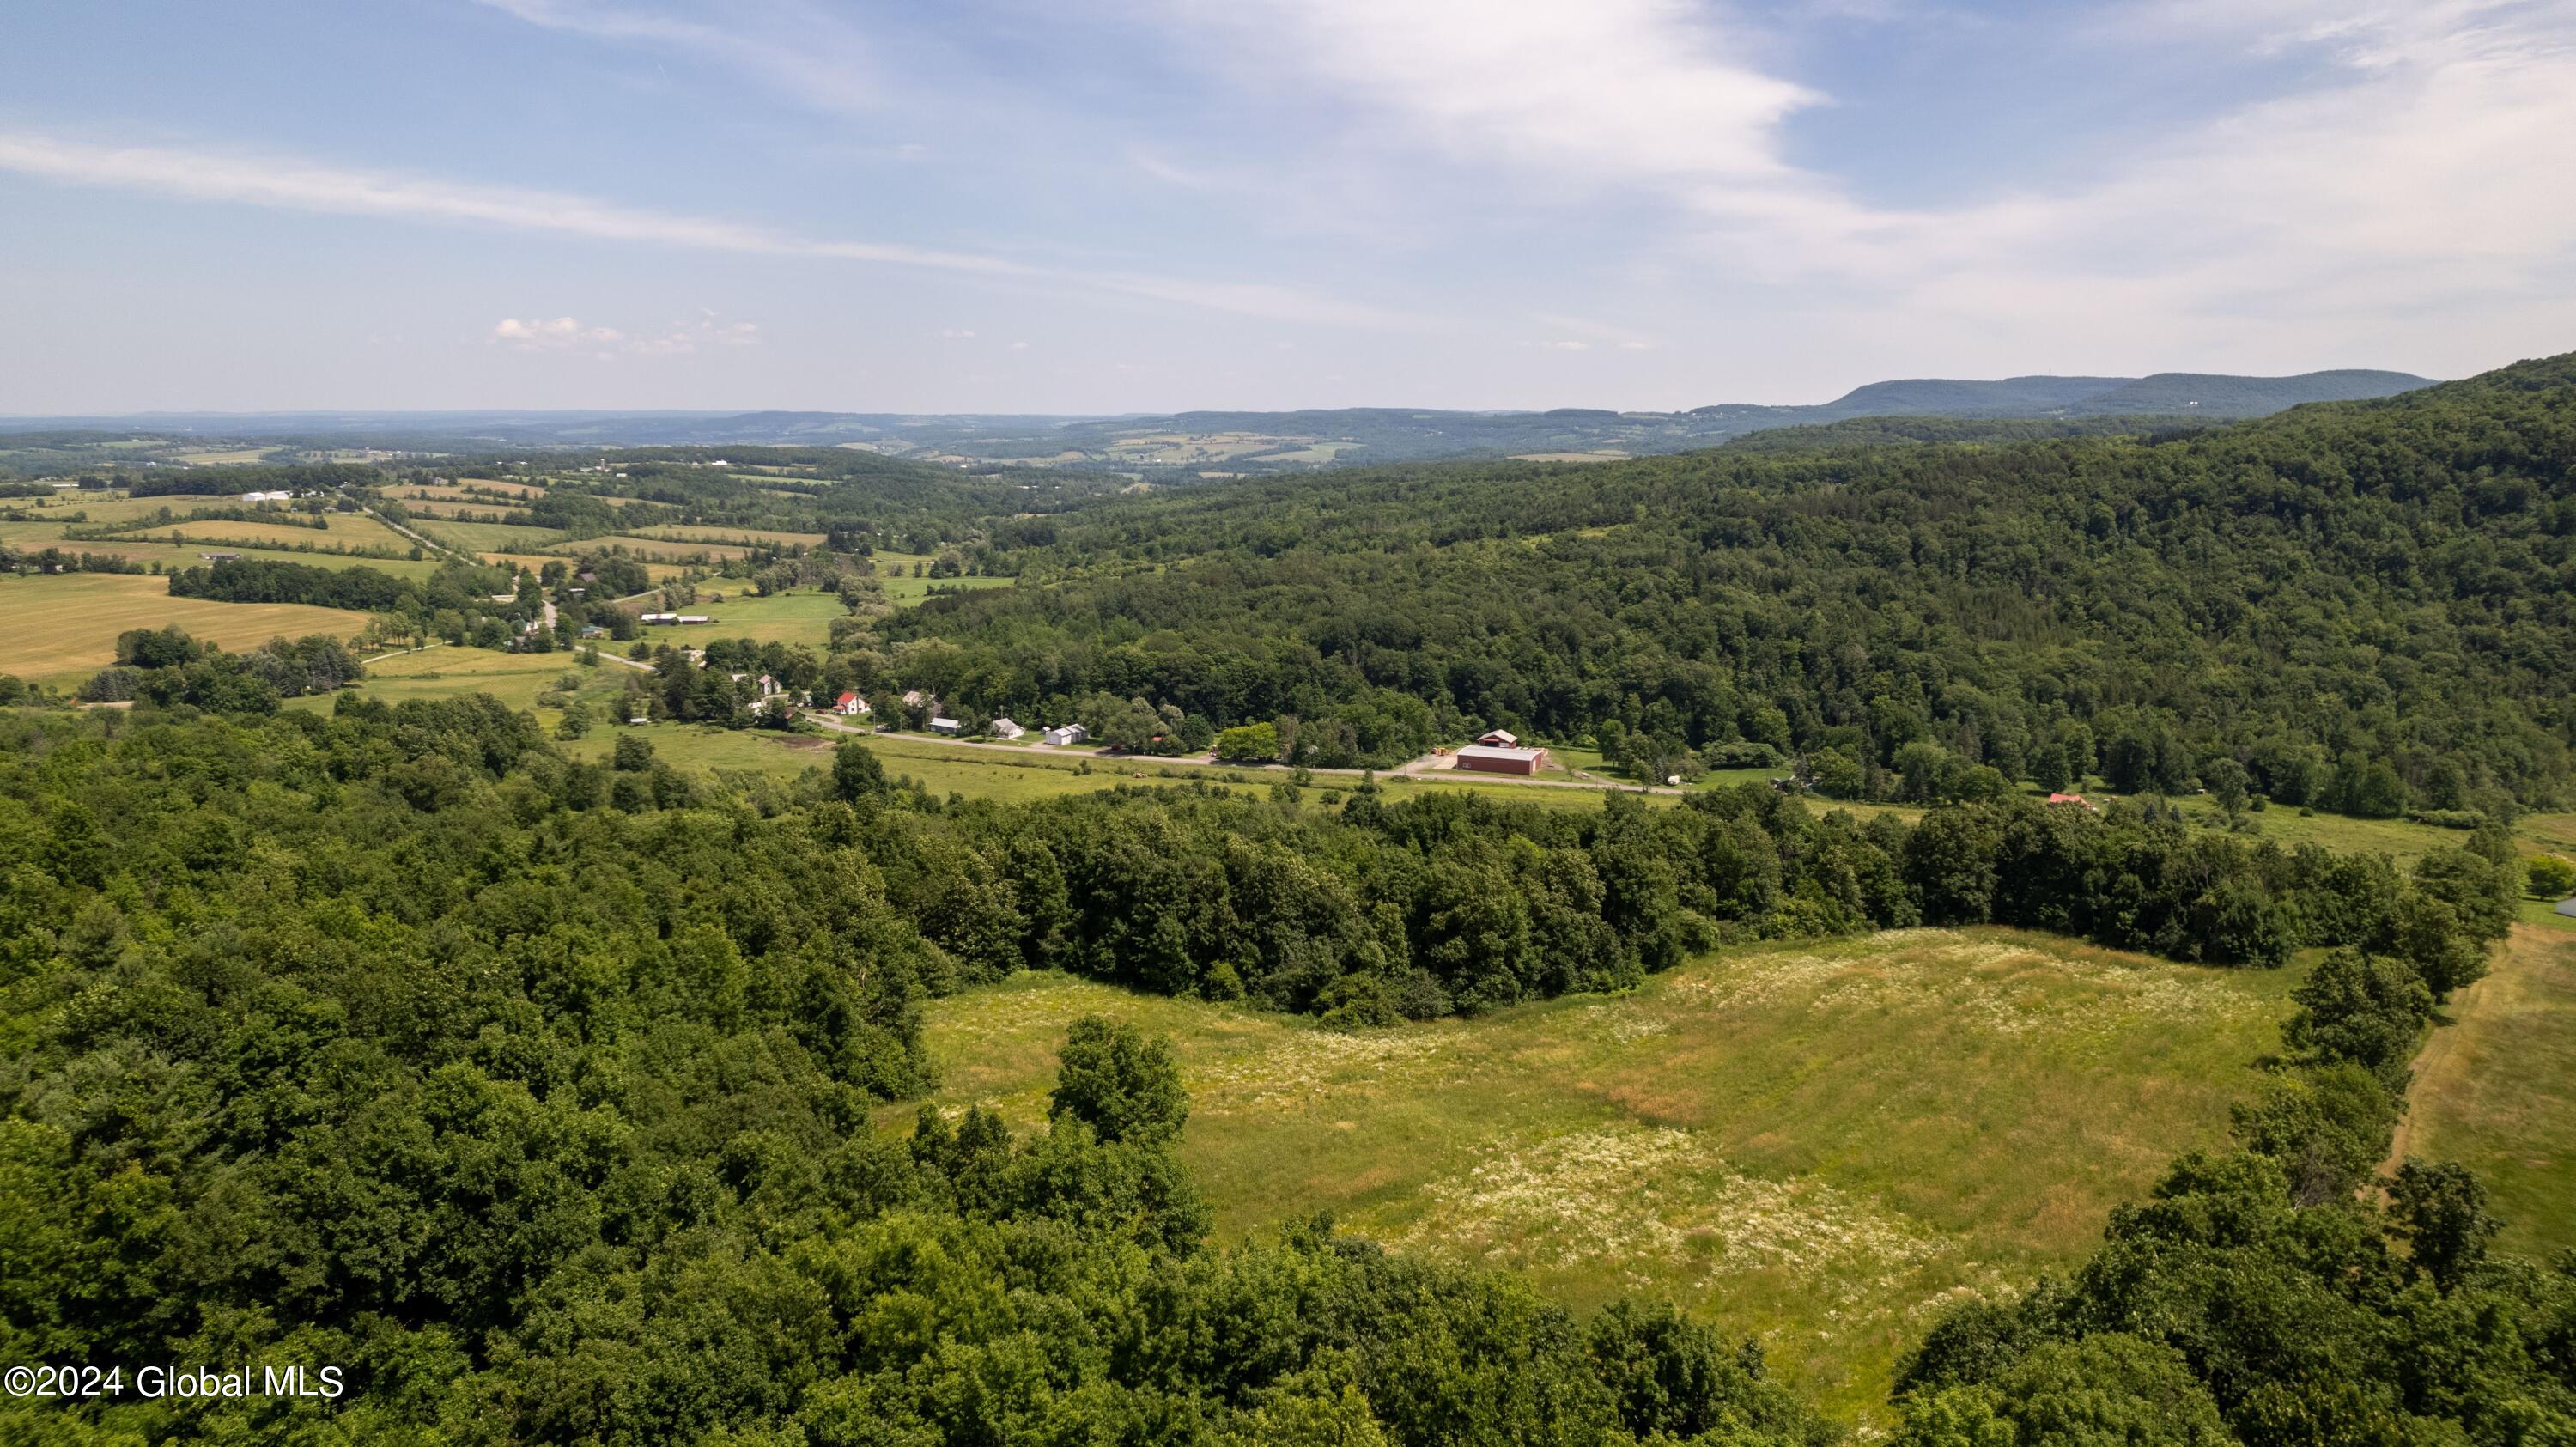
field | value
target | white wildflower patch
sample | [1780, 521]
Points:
[1634, 1199]
[1302, 1066]
[1998, 983]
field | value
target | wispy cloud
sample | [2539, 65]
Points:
[796, 48]
[2401, 171]
[267, 180]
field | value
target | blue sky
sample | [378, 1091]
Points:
[1129, 205]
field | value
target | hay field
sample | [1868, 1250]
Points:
[63, 627]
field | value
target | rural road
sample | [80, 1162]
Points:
[1428, 765]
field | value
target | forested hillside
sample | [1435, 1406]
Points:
[2365, 607]
[534, 1096]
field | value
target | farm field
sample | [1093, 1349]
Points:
[680, 534]
[192, 555]
[1822, 1143]
[346, 531]
[2495, 1088]
[451, 511]
[802, 616]
[667, 550]
[491, 537]
[103, 511]
[444, 671]
[471, 490]
[63, 627]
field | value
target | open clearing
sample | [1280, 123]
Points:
[1823, 1142]
[63, 627]
[2495, 1088]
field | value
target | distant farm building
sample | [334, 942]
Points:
[1005, 729]
[268, 497]
[946, 726]
[850, 705]
[2078, 800]
[1067, 736]
[914, 698]
[1500, 739]
[221, 557]
[674, 619]
[1495, 759]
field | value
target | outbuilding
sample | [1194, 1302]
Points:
[1066, 736]
[1495, 759]
[1499, 738]
[1005, 729]
[946, 726]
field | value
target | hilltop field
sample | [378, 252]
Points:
[1822, 1144]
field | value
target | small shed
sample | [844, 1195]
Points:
[946, 726]
[1005, 729]
[1492, 759]
[1066, 736]
[1499, 739]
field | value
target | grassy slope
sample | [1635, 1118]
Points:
[2495, 1088]
[802, 616]
[1821, 1143]
[63, 627]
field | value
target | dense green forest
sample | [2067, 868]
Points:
[2366, 607]
[536, 1094]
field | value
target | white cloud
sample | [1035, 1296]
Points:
[2409, 168]
[558, 334]
[568, 334]
[207, 175]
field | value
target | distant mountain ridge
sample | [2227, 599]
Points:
[1234, 441]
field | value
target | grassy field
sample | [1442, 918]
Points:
[802, 616]
[490, 537]
[1823, 1144]
[515, 679]
[2495, 1088]
[63, 627]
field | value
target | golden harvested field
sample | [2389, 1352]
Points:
[1823, 1143]
[63, 627]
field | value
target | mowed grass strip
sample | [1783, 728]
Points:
[2495, 1088]
[801, 616]
[1821, 1143]
[63, 627]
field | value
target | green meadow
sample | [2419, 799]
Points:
[1821, 1144]
[2495, 1087]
